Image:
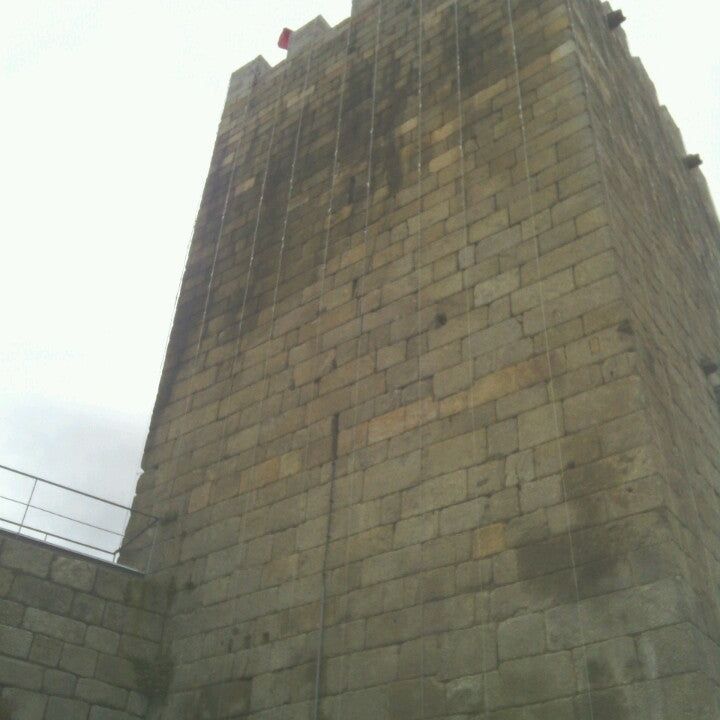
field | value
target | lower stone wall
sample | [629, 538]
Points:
[79, 638]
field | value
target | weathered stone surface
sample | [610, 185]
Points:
[75, 573]
[15, 642]
[60, 650]
[66, 709]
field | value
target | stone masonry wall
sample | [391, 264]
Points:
[433, 439]
[71, 631]
[666, 236]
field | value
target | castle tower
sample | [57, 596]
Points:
[437, 434]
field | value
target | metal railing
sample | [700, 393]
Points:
[75, 520]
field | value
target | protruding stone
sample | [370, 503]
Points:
[615, 19]
[313, 32]
[245, 78]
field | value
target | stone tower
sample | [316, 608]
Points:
[437, 433]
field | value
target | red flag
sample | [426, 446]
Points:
[284, 40]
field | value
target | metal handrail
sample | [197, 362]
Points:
[46, 534]
[75, 490]
[60, 515]
[28, 505]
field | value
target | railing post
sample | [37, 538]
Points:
[27, 506]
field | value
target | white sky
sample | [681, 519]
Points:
[110, 109]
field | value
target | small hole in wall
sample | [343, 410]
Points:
[441, 319]
[712, 373]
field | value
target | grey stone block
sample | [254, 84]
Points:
[531, 680]
[78, 660]
[622, 613]
[521, 636]
[17, 673]
[45, 650]
[66, 709]
[101, 713]
[116, 671]
[674, 649]
[87, 609]
[111, 584]
[614, 662]
[464, 652]
[23, 555]
[137, 704]
[55, 626]
[97, 692]
[103, 640]
[6, 578]
[11, 613]
[15, 642]
[25, 705]
[57, 682]
[73, 572]
[41, 594]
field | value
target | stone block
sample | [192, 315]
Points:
[103, 713]
[78, 660]
[502, 438]
[97, 692]
[6, 578]
[73, 572]
[540, 425]
[391, 476]
[673, 650]
[393, 627]
[606, 664]
[55, 626]
[26, 556]
[45, 650]
[25, 705]
[521, 636]
[111, 584]
[602, 404]
[41, 594]
[489, 540]
[66, 709]
[458, 452]
[87, 609]
[467, 651]
[531, 680]
[56, 682]
[21, 674]
[15, 642]
[626, 612]
[373, 667]
[519, 468]
[496, 287]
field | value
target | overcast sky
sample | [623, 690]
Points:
[110, 109]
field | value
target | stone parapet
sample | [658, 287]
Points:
[79, 638]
